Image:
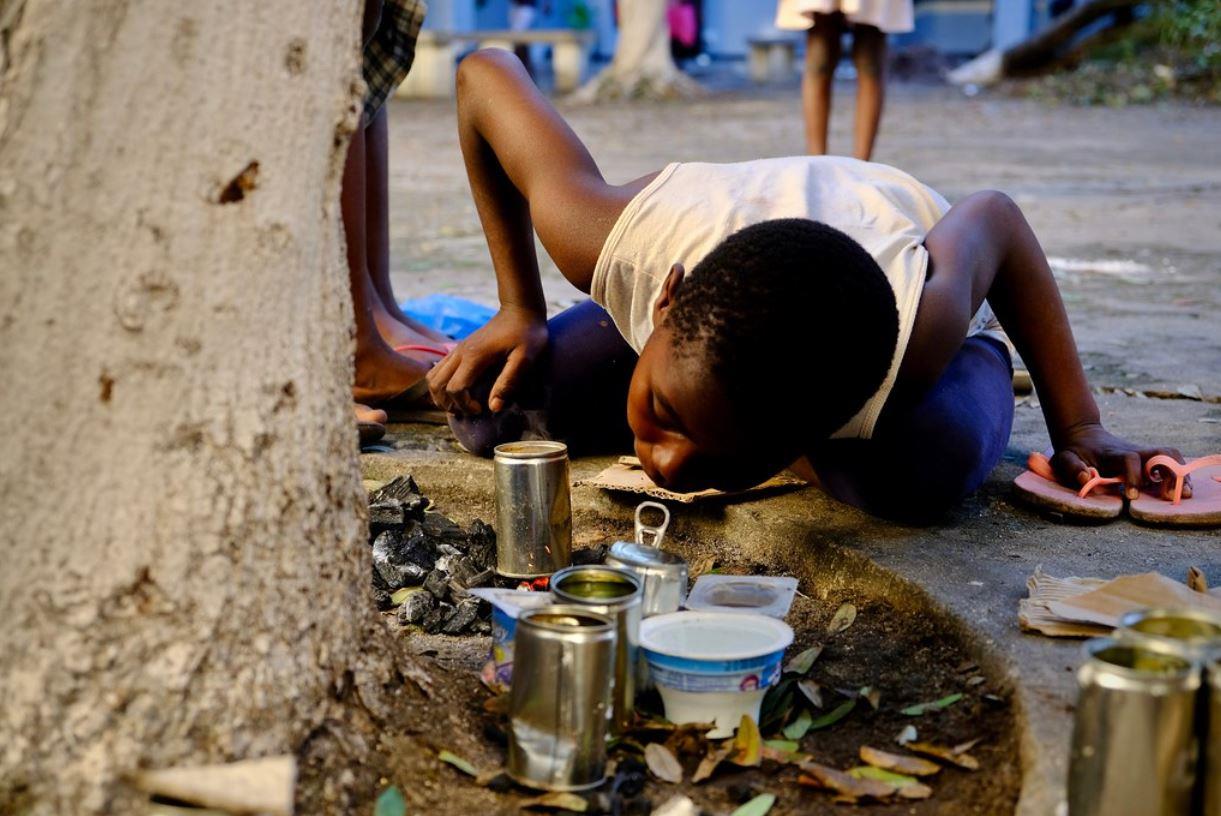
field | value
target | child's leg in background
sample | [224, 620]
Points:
[578, 393]
[822, 55]
[925, 458]
[869, 56]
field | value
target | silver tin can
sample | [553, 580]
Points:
[616, 593]
[562, 678]
[1134, 746]
[1194, 633]
[533, 509]
[663, 575]
[1210, 762]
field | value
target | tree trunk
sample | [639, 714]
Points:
[185, 578]
[642, 67]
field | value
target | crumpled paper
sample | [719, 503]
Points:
[1088, 607]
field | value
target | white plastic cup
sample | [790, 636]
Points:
[714, 667]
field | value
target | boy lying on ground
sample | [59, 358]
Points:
[812, 310]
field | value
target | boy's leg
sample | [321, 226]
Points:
[822, 55]
[925, 458]
[869, 56]
[577, 393]
[397, 328]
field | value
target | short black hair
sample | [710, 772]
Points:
[790, 309]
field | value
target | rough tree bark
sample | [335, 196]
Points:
[642, 67]
[184, 578]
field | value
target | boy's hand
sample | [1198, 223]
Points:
[1091, 445]
[513, 338]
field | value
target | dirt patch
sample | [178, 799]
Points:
[909, 656]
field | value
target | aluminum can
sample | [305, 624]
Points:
[615, 593]
[562, 678]
[1194, 633]
[533, 509]
[1134, 744]
[1210, 762]
[663, 575]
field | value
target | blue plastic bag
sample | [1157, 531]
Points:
[455, 316]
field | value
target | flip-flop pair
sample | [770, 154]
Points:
[1101, 498]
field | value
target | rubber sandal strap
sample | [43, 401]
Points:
[427, 349]
[1038, 464]
[1180, 471]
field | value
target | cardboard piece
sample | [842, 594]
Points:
[1088, 607]
[626, 476]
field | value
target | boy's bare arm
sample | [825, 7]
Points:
[984, 248]
[528, 171]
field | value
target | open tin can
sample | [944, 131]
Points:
[1134, 747]
[533, 508]
[565, 658]
[1194, 633]
[615, 593]
[663, 575]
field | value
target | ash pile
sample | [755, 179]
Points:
[424, 563]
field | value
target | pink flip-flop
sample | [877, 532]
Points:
[1100, 498]
[1202, 509]
[440, 351]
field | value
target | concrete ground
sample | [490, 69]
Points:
[1128, 202]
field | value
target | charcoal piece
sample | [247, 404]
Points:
[415, 547]
[442, 529]
[444, 549]
[482, 627]
[462, 572]
[589, 555]
[416, 607]
[464, 615]
[481, 545]
[386, 515]
[741, 792]
[390, 566]
[479, 579]
[382, 598]
[436, 617]
[437, 582]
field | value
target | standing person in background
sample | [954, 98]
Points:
[825, 22]
[521, 18]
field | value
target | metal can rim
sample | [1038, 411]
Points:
[642, 556]
[620, 602]
[603, 625]
[1118, 676]
[530, 451]
[1130, 619]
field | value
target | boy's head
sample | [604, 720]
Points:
[774, 341]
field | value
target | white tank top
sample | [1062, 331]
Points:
[691, 208]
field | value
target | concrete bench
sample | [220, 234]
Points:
[772, 58]
[436, 52]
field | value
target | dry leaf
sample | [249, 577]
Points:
[677, 805]
[935, 705]
[759, 806]
[976, 680]
[458, 762]
[908, 734]
[663, 764]
[842, 619]
[708, 765]
[907, 787]
[747, 744]
[963, 747]
[909, 765]
[872, 696]
[557, 801]
[812, 691]
[820, 776]
[497, 704]
[801, 663]
[262, 785]
[960, 758]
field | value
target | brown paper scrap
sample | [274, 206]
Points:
[627, 476]
[1087, 607]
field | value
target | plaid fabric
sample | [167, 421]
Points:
[388, 56]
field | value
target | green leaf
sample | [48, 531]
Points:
[798, 727]
[400, 595]
[883, 775]
[922, 708]
[390, 803]
[787, 746]
[458, 762]
[801, 663]
[834, 715]
[759, 806]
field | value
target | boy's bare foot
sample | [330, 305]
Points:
[388, 380]
[424, 334]
[370, 423]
